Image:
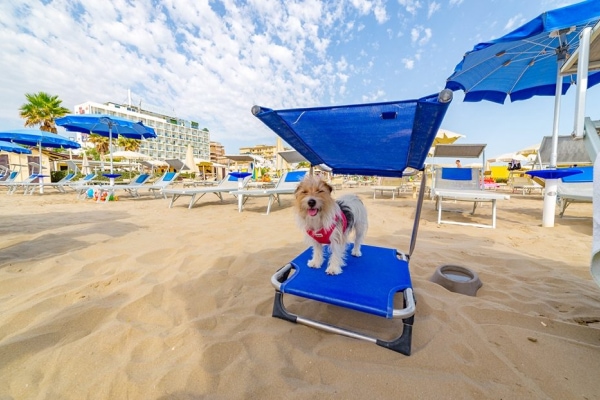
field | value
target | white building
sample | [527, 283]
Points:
[173, 134]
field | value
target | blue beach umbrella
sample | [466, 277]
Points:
[13, 148]
[525, 63]
[106, 125]
[35, 137]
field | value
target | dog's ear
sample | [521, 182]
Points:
[329, 187]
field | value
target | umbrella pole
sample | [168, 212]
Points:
[110, 148]
[551, 185]
[112, 176]
[40, 179]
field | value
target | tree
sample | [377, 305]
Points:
[42, 109]
[100, 143]
[128, 144]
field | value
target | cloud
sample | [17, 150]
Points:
[411, 6]
[408, 63]
[514, 22]
[420, 35]
[433, 8]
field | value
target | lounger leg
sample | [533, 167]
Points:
[192, 201]
[175, 197]
[439, 206]
[401, 345]
[494, 214]
[269, 205]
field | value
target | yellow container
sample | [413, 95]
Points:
[499, 171]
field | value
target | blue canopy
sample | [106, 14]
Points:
[380, 139]
[523, 63]
[35, 137]
[105, 125]
[13, 148]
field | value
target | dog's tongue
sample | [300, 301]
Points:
[312, 212]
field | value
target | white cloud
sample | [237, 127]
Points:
[408, 63]
[433, 8]
[514, 22]
[420, 35]
[411, 6]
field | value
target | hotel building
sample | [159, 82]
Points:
[173, 134]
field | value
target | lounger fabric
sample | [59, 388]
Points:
[363, 286]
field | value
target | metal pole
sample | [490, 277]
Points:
[552, 184]
[582, 81]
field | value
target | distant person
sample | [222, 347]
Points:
[458, 164]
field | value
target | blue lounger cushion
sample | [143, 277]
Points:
[586, 175]
[457, 174]
[368, 283]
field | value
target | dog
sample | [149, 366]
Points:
[329, 221]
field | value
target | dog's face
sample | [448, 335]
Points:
[313, 198]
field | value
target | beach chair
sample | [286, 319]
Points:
[382, 139]
[391, 185]
[464, 185]
[156, 188]
[226, 185]
[105, 192]
[60, 185]
[576, 188]
[287, 184]
[10, 178]
[337, 182]
[82, 185]
[524, 183]
[27, 184]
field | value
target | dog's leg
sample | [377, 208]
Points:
[317, 259]
[358, 240]
[337, 248]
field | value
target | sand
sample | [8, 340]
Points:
[133, 300]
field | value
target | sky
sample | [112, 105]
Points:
[211, 61]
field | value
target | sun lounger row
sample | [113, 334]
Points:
[230, 184]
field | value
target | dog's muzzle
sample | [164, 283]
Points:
[312, 211]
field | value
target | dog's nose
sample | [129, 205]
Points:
[312, 203]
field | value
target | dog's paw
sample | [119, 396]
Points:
[333, 270]
[314, 264]
[356, 252]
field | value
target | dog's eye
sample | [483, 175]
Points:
[320, 191]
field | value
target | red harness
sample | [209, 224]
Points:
[322, 235]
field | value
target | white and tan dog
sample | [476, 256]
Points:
[329, 221]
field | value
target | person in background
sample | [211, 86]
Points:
[458, 164]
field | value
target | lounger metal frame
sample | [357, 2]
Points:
[402, 343]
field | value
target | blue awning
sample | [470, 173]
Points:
[381, 139]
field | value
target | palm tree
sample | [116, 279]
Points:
[128, 144]
[100, 143]
[42, 109]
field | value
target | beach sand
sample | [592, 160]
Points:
[133, 300]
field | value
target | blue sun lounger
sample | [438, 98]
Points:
[383, 139]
